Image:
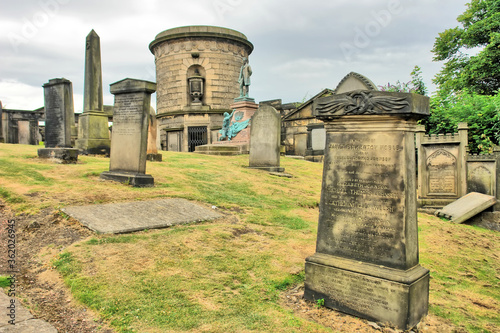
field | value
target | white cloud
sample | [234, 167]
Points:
[18, 95]
[297, 43]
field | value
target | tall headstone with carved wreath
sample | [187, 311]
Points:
[366, 261]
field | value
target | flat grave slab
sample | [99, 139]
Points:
[126, 217]
[466, 207]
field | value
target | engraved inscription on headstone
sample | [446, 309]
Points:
[441, 166]
[130, 132]
[363, 198]
[442, 173]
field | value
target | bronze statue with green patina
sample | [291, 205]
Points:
[244, 78]
[230, 130]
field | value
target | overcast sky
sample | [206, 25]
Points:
[301, 47]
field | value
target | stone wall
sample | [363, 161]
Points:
[21, 126]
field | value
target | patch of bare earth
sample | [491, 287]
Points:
[40, 288]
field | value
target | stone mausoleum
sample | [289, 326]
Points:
[197, 70]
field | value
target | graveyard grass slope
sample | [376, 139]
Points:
[238, 273]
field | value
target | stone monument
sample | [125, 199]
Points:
[366, 261]
[234, 137]
[442, 167]
[265, 139]
[152, 153]
[131, 115]
[197, 72]
[59, 120]
[93, 129]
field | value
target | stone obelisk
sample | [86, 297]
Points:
[93, 131]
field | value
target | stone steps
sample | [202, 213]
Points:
[222, 150]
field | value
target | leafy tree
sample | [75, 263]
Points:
[416, 85]
[480, 28]
[480, 112]
[418, 82]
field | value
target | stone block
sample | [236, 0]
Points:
[369, 291]
[129, 178]
[59, 155]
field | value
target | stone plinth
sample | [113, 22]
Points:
[366, 261]
[93, 129]
[59, 155]
[59, 121]
[265, 135]
[130, 132]
[242, 112]
[154, 157]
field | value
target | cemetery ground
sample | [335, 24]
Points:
[243, 272]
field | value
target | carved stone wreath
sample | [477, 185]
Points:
[360, 102]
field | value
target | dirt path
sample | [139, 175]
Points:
[40, 288]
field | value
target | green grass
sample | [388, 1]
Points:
[227, 275]
[4, 281]
[464, 274]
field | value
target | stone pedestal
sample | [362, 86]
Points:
[59, 121]
[93, 133]
[366, 261]
[130, 132]
[59, 155]
[244, 109]
[265, 137]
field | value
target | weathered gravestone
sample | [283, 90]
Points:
[265, 139]
[366, 261]
[130, 132]
[93, 130]
[59, 120]
[441, 167]
[482, 174]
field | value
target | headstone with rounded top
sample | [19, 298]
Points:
[265, 139]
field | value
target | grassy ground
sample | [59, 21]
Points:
[227, 275]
